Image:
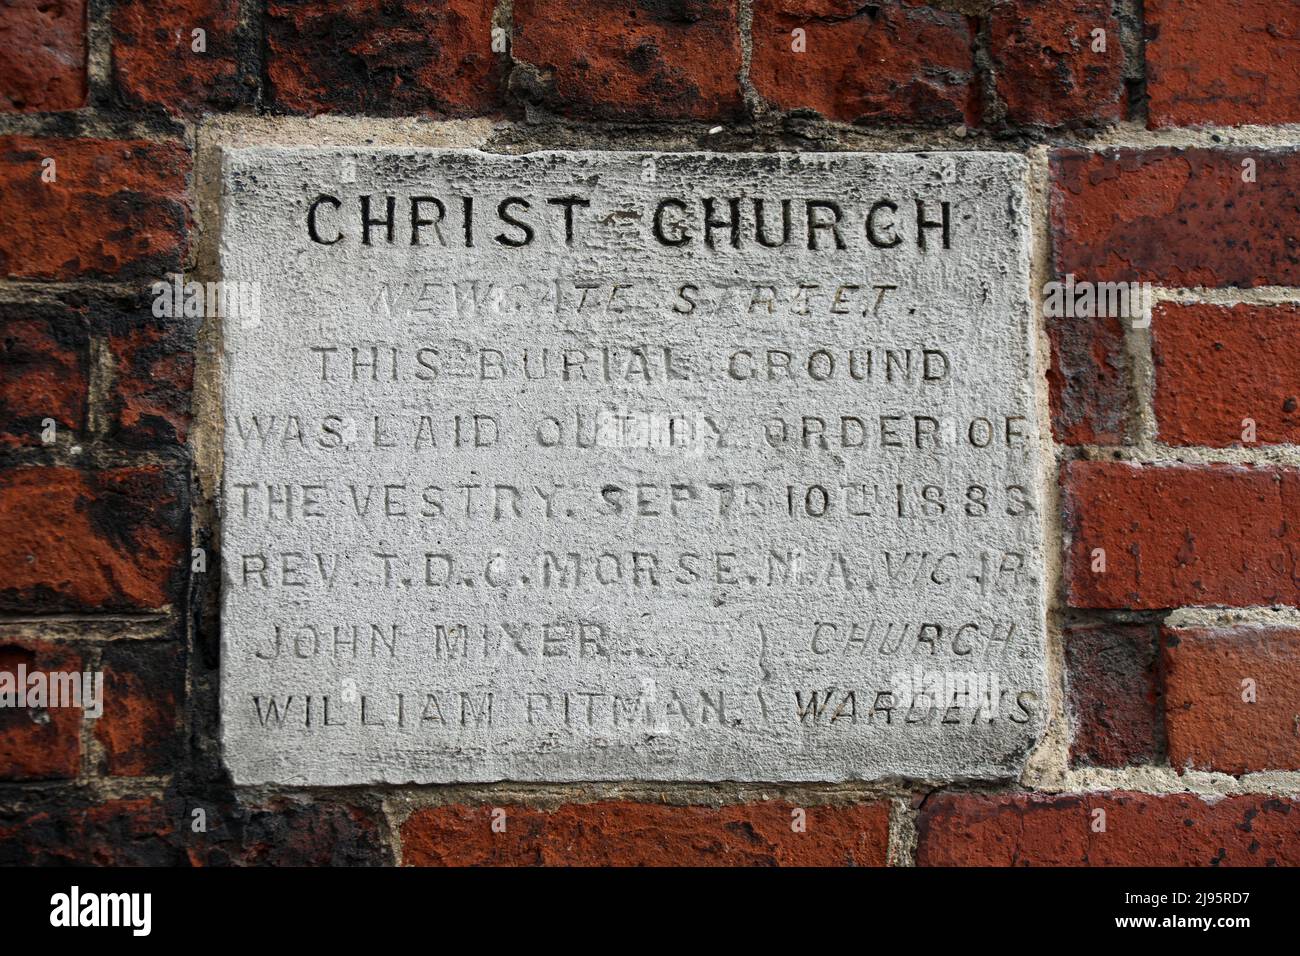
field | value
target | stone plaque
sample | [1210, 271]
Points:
[623, 466]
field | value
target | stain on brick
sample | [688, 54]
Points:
[39, 743]
[155, 63]
[140, 729]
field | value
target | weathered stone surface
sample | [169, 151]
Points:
[578, 487]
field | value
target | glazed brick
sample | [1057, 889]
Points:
[44, 374]
[1211, 724]
[1115, 695]
[1181, 535]
[100, 540]
[139, 731]
[154, 63]
[43, 47]
[117, 209]
[629, 59]
[1177, 217]
[383, 57]
[892, 62]
[615, 833]
[39, 743]
[1225, 62]
[1219, 365]
[1045, 68]
[1141, 829]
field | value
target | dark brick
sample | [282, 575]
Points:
[39, 743]
[1113, 675]
[44, 371]
[1141, 829]
[140, 727]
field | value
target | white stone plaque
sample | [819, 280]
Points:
[628, 466]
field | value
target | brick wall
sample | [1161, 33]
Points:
[1163, 139]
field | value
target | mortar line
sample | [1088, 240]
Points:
[1051, 755]
[559, 132]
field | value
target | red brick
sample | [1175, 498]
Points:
[43, 46]
[1114, 695]
[891, 62]
[1088, 381]
[383, 57]
[43, 371]
[139, 729]
[70, 540]
[118, 209]
[1177, 217]
[1177, 536]
[629, 59]
[1044, 65]
[1210, 725]
[39, 743]
[154, 63]
[614, 833]
[1140, 830]
[149, 397]
[1218, 365]
[1226, 62]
